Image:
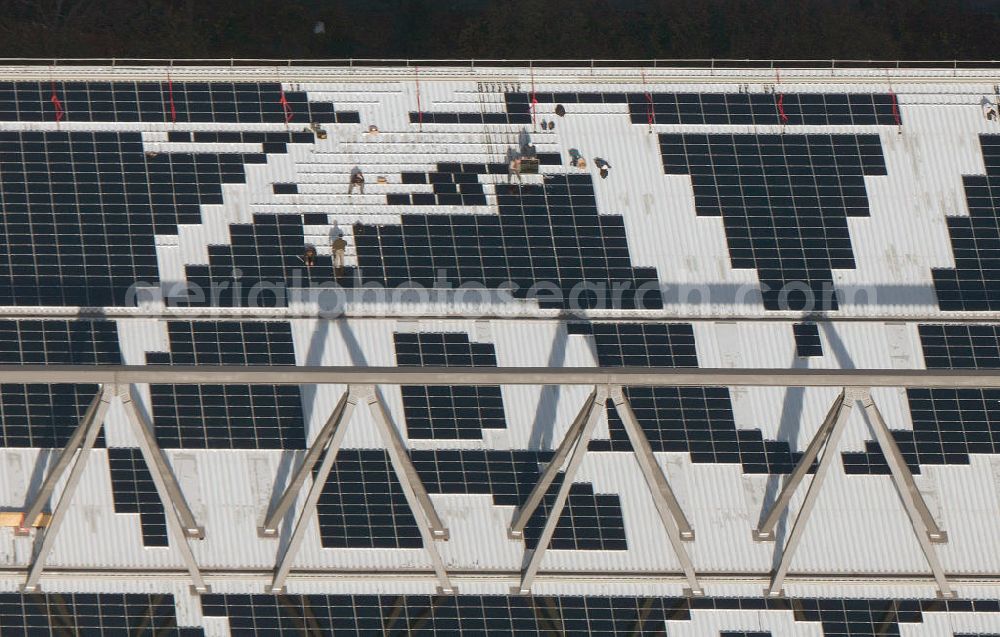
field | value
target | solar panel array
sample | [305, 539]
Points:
[261, 263]
[762, 109]
[948, 424]
[543, 233]
[81, 210]
[45, 416]
[134, 492]
[362, 504]
[974, 283]
[89, 614]
[550, 615]
[807, 341]
[697, 420]
[227, 416]
[756, 109]
[453, 412]
[784, 202]
[589, 521]
[166, 101]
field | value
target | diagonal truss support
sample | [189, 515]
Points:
[913, 501]
[327, 441]
[428, 521]
[577, 439]
[827, 440]
[574, 445]
[765, 531]
[341, 413]
[180, 519]
[524, 513]
[81, 441]
[675, 523]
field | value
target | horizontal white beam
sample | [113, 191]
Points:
[646, 376]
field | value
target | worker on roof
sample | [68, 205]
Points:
[339, 245]
[310, 256]
[603, 166]
[576, 159]
[514, 170]
[357, 179]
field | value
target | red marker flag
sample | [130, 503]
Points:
[286, 107]
[781, 108]
[895, 107]
[57, 104]
[170, 96]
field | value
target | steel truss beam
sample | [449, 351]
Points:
[574, 445]
[362, 385]
[827, 440]
[180, 520]
[327, 445]
[624, 376]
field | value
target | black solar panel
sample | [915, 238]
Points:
[88, 614]
[549, 615]
[948, 424]
[362, 504]
[758, 109]
[698, 420]
[807, 341]
[227, 416]
[550, 233]
[644, 344]
[158, 102]
[784, 201]
[263, 260]
[443, 615]
[448, 412]
[974, 283]
[45, 415]
[134, 492]
[589, 521]
[81, 210]
[813, 109]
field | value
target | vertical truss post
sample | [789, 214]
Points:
[765, 532]
[850, 395]
[65, 456]
[912, 500]
[428, 522]
[270, 527]
[524, 513]
[166, 487]
[591, 415]
[342, 412]
[675, 523]
[91, 429]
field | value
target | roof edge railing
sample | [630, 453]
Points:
[712, 63]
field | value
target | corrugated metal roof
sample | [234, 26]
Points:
[858, 526]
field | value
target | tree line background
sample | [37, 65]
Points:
[505, 29]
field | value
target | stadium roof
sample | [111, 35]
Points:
[749, 319]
